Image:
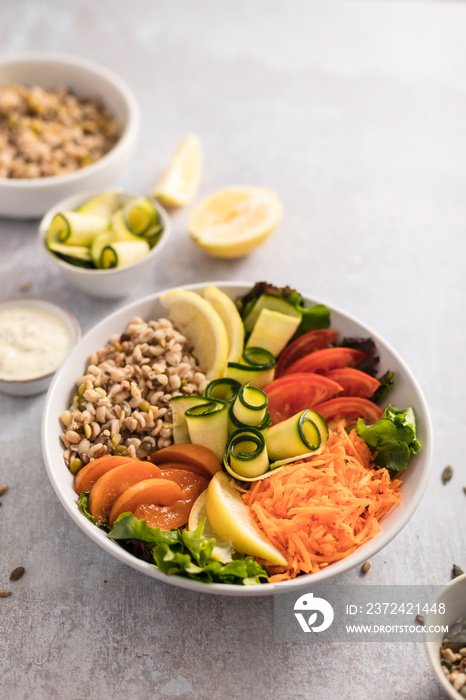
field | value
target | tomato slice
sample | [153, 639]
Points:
[353, 381]
[327, 359]
[291, 394]
[305, 344]
[349, 408]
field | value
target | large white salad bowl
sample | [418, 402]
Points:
[406, 393]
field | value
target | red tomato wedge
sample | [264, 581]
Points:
[305, 344]
[327, 359]
[296, 392]
[350, 408]
[353, 381]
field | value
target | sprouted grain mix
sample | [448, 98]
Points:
[121, 404]
[51, 132]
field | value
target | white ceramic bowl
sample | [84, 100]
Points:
[39, 384]
[406, 393]
[31, 198]
[108, 284]
[453, 595]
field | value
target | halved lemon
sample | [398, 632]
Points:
[230, 518]
[203, 328]
[232, 222]
[179, 184]
[223, 551]
[229, 314]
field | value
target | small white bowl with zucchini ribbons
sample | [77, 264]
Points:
[105, 241]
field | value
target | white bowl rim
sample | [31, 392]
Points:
[358, 557]
[433, 648]
[83, 196]
[127, 135]
[51, 306]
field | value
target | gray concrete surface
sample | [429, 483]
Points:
[355, 113]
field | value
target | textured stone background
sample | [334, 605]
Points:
[355, 113]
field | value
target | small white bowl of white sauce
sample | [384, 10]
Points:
[35, 337]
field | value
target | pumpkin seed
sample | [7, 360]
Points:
[3, 489]
[456, 571]
[17, 573]
[447, 474]
[4, 594]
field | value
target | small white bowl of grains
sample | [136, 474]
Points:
[66, 124]
[446, 650]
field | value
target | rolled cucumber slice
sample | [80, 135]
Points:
[250, 405]
[122, 253]
[246, 454]
[104, 204]
[274, 303]
[224, 388]
[139, 218]
[179, 406]
[293, 437]
[208, 425]
[273, 330]
[77, 252]
[74, 228]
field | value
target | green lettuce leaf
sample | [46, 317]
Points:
[83, 505]
[393, 437]
[187, 553]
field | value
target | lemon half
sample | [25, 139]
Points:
[230, 518]
[232, 222]
[180, 183]
[202, 327]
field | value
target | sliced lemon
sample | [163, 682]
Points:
[203, 328]
[223, 551]
[230, 518]
[179, 184]
[232, 222]
[229, 314]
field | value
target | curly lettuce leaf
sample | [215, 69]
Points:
[187, 553]
[393, 437]
[83, 505]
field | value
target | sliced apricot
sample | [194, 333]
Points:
[109, 486]
[177, 514]
[88, 475]
[199, 458]
[150, 492]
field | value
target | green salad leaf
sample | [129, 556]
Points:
[393, 437]
[187, 553]
[314, 317]
[83, 505]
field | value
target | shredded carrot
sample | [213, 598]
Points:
[323, 508]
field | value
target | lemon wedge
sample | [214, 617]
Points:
[232, 222]
[229, 314]
[202, 327]
[179, 184]
[230, 518]
[223, 551]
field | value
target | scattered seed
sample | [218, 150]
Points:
[447, 474]
[420, 618]
[3, 489]
[17, 573]
[456, 571]
[4, 594]
[464, 489]
[24, 286]
[365, 567]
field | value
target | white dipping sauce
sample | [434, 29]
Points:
[33, 342]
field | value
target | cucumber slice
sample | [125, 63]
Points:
[74, 228]
[292, 437]
[234, 423]
[255, 376]
[104, 204]
[179, 406]
[77, 252]
[98, 244]
[273, 330]
[250, 406]
[274, 303]
[208, 425]
[122, 253]
[246, 453]
[223, 388]
[138, 219]
[322, 426]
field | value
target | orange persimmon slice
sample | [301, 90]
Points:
[145, 494]
[88, 475]
[111, 485]
[198, 458]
